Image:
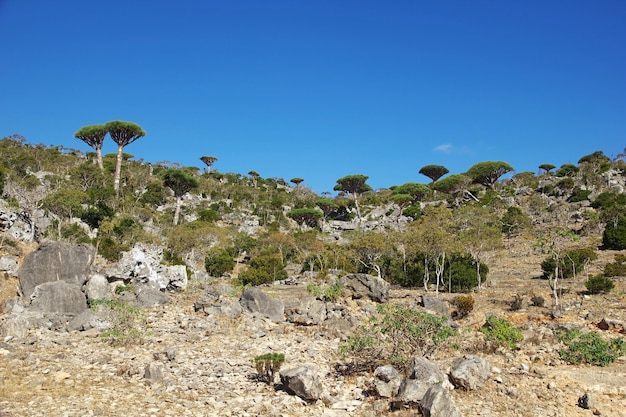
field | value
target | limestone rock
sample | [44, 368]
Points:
[58, 297]
[470, 372]
[437, 402]
[365, 286]
[254, 300]
[302, 381]
[387, 380]
[55, 261]
[306, 311]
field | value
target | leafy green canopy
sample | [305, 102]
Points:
[92, 135]
[179, 181]
[124, 133]
[488, 172]
[434, 172]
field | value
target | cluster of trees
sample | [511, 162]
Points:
[456, 220]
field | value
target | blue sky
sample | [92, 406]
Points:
[322, 89]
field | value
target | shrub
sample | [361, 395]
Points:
[267, 365]
[463, 274]
[127, 323]
[599, 284]
[263, 270]
[208, 215]
[617, 268]
[590, 348]
[572, 262]
[395, 334]
[567, 170]
[578, 195]
[413, 212]
[218, 261]
[500, 333]
[517, 302]
[111, 250]
[464, 304]
[614, 236]
[537, 300]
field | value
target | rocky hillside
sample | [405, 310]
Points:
[263, 299]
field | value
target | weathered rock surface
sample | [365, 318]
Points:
[306, 311]
[58, 297]
[255, 300]
[387, 381]
[470, 372]
[437, 402]
[365, 286]
[302, 381]
[55, 261]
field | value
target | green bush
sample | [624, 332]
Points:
[413, 212]
[617, 268]
[599, 284]
[578, 195]
[263, 269]
[572, 262]
[537, 300]
[590, 348]
[267, 365]
[208, 215]
[500, 333]
[614, 236]
[94, 216]
[464, 304]
[567, 170]
[127, 323]
[111, 250]
[218, 261]
[395, 335]
[463, 274]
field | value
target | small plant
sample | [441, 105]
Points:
[333, 293]
[314, 290]
[517, 303]
[599, 284]
[267, 365]
[500, 333]
[464, 304]
[124, 288]
[537, 300]
[590, 348]
[127, 322]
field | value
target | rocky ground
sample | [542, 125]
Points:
[193, 364]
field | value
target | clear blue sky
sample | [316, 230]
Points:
[322, 89]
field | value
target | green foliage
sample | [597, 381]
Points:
[179, 181]
[264, 269]
[124, 288]
[500, 333]
[599, 159]
[305, 216]
[617, 268]
[464, 304]
[74, 233]
[578, 194]
[208, 215]
[590, 348]
[3, 177]
[614, 235]
[599, 284]
[154, 195]
[514, 220]
[127, 323]
[395, 334]
[413, 212]
[547, 167]
[353, 184]
[487, 173]
[218, 261]
[451, 184]
[111, 250]
[571, 262]
[94, 216]
[434, 172]
[330, 293]
[267, 365]
[462, 275]
[124, 133]
[567, 170]
[413, 189]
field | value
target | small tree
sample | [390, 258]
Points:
[434, 172]
[209, 161]
[305, 216]
[547, 167]
[180, 183]
[487, 173]
[93, 136]
[355, 185]
[327, 206]
[297, 181]
[122, 133]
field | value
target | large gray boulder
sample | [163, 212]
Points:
[365, 286]
[438, 402]
[302, 381]
[306, 311]
[55, 261]
[254, 300]
[387, 380]
[9, 265]
[469, 372]
[422, 369]
[58, 297]
[435, 306]
[98, 288]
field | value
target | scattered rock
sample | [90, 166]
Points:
[437, 402]
[387, 381]
[366, 286]
[469, 372]
[254, 300]
[302, 381]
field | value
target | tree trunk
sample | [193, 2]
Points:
[118, 168]
[179, 202]
[99, 158]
